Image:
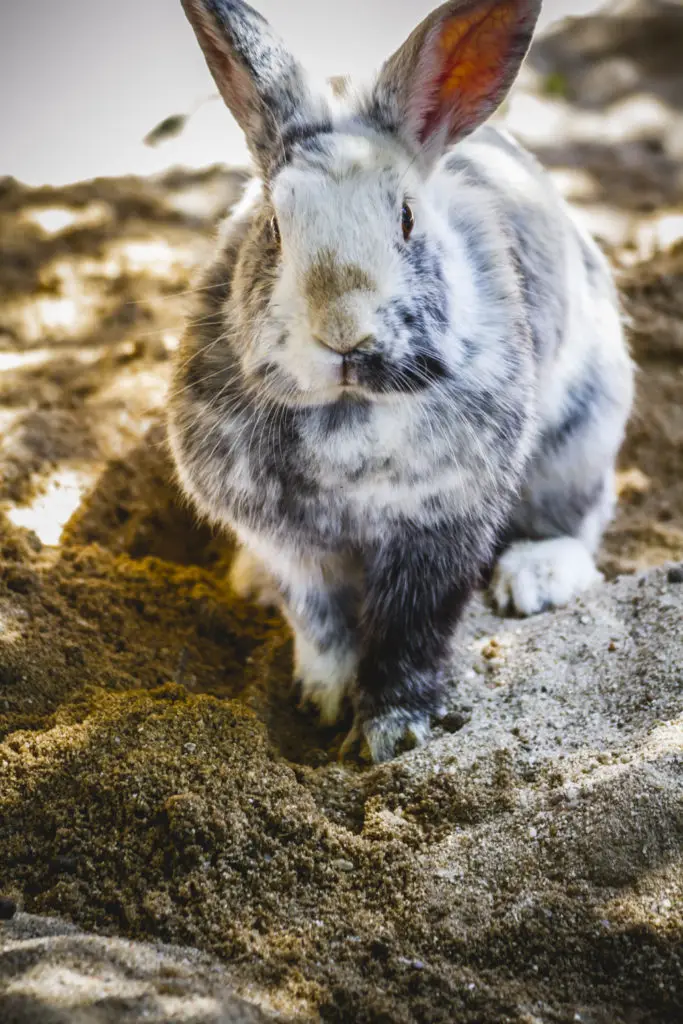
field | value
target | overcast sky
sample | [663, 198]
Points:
[84, 80]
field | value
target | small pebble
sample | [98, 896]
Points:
[343, 865]
[8, 908]
[453, 721]
[417, 964]
[675, 574]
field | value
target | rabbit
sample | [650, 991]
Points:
[406, 363]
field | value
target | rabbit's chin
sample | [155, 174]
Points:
[296, 394]
[340, 398]
[332, 398]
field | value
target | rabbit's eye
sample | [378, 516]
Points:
[275, 230]
[407, 221]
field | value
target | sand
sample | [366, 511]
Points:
[174, 835]
[53, 972]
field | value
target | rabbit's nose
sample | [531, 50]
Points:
[345, 345]
[344, 326]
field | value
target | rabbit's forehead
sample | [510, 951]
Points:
[334, 235]
[313, 200]
[338, 166]
[339, 206]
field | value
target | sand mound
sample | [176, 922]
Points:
[527, 862]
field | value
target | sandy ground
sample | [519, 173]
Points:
[91, 979]
[156, 782]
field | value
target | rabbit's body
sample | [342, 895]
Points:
[467, 389]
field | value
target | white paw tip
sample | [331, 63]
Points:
[326, 700]
[251, 582]
[532, 576]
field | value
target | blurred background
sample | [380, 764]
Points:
[85, 80]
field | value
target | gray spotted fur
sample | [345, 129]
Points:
[487, 407]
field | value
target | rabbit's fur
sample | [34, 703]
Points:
[378, 417]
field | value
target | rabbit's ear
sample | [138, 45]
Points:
[260, 81]
[454, 70]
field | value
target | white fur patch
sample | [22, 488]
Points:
[534, 575]
[250, 581]
[325, 677]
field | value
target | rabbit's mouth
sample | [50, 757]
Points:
[380, 377]
[272, 383]
[370, 374]
[365, 376]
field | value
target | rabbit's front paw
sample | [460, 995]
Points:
[532, 576]
[386, 735]
[250, 581]
[323, 677]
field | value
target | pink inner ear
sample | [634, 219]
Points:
[465, 68]
[437, 112]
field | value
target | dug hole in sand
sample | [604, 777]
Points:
[156, 782]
